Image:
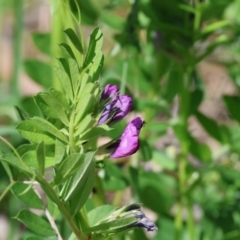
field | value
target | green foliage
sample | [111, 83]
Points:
[155, 55]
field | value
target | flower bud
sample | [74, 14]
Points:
[116, 110]
[109, 91]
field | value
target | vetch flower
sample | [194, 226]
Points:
[144, 222]
[109, 91]
[116, 110]
[122, 219]
[128, 143]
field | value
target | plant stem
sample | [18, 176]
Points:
[184, 113]
[190, 221]
[17, 47]
[6, 191]
[53, 224]
[63, 210]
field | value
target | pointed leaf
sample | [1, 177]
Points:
[84, 189]
[67, 49]
[35, 223]
[59, 150]
[113, 226]
[48, 127]
[68, 167]
[74, 39]
[84, 171]
[44, 107]
[30, 159]
[84, 107]
[74, 74]
[55, 106]
[94, 132]
[30, 197]
[83, 125]
[100, 213]
[61, 98]
[41, 157]
[10, 159]
[34, 133]
[95, 45]
[65, 81]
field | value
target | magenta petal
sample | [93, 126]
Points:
[129, 142]
[109, 91]
[105, 115]
[118, 108]
[122, 105]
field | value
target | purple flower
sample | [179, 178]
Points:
[117, 109]
[109, 91]
[128, 143]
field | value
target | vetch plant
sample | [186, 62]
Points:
[63, 141]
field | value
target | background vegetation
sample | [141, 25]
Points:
[180, 62]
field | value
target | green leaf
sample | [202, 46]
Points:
[84, 188]
[42, 41]
[100, 213]
[94, 48]
[15, 162]
[84, 125]
[25, 148]
[232, 103]
[31, 160]
[96, 67]
[59, 150]
[60, 97]
[74, 39]
[85, 106]
[34, 133]
[30, 197]
[85, 171]
[55, 107]
[45, 109]
[38, 129]
[74, 74]
[39, 71]
[67, 49]
[35, 223]
[95, 132]
[211, 126]
[65, 81]
[113, 226]
[68, 167]
[53, 209]
[41, 157]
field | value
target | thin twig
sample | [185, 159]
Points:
[53, 224]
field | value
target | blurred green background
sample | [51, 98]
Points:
[180, 60]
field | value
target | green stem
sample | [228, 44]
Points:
[63, 210]
[184, 113]
[71, 132]
[190, 221]
[18, 27]
[6, 191]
